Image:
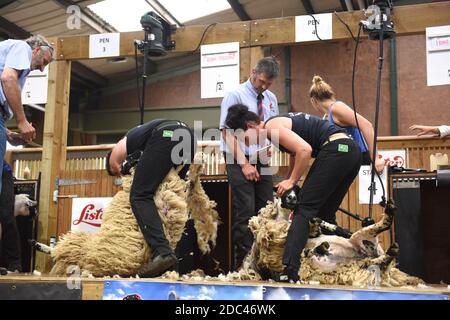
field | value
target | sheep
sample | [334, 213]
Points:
[119, 247]
[326, 259]
[22, 205]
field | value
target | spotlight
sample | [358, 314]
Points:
[157, 35]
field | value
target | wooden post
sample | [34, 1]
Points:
[247, 59]
[53, 153]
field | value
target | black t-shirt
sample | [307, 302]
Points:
[137, 137]
[314, 130]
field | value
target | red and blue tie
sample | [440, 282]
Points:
[259, 104]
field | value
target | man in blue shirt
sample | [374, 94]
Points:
[17, 59]
[251, 189]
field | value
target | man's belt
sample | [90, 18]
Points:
[336, 136]
[169, 123]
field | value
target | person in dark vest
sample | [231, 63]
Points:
[337, 162]
[153, 148]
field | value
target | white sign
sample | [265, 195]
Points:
[305, 27]
[35, 88]
[87, 213]
[219, 69]
[438, 55]
[364, 179]
[394, 157]
[104, 45]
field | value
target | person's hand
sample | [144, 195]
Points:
[270, 152]
[284, 186]
[379, 165]
[27, 130]
[422, 130]
[15, 138]
[250, 172]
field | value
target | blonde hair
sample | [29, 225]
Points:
[320, 90]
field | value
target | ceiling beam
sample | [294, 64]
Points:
[89, 75]
[12, 30]
[16, 32]
[239, 10]
[87, 17]
[163, 12]
[343, 5]
[308, 6]
[361, 4]
[411, 19]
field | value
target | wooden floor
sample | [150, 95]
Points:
[92, 288]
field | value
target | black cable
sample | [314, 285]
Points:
[377, 111]
[137, 75]
[357, 40]
[315, 27]
[203, 35]
[347, 26]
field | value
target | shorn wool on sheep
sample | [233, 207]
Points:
[332, 260]
[119, 247]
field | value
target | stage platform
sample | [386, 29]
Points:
[30, 287]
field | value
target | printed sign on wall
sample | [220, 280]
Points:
[311, 28]
[219, 69]
[87, 213]
[364, 180]
[35, 88]
[104, 45]
[394, 157]
[438, 55]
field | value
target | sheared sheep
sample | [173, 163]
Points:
[119, 247]
[326, 259]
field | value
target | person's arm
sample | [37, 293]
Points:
[344, 116]
[249, 171]
[300, 149]
[291, 165]
[118, 155]
[14, 138]
[17, 60]
[423, 130]
[11, 89]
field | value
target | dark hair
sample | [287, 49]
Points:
[238, 116]
[108, 168]
[268, 66]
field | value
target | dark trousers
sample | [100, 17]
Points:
[10, 241]
[325, 186]
[154, 165]
[248, 198]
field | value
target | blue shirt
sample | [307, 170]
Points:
[353, 132]
[14, 54]
[247, 95]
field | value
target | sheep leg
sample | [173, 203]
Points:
[384, 260]
[382, 225]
